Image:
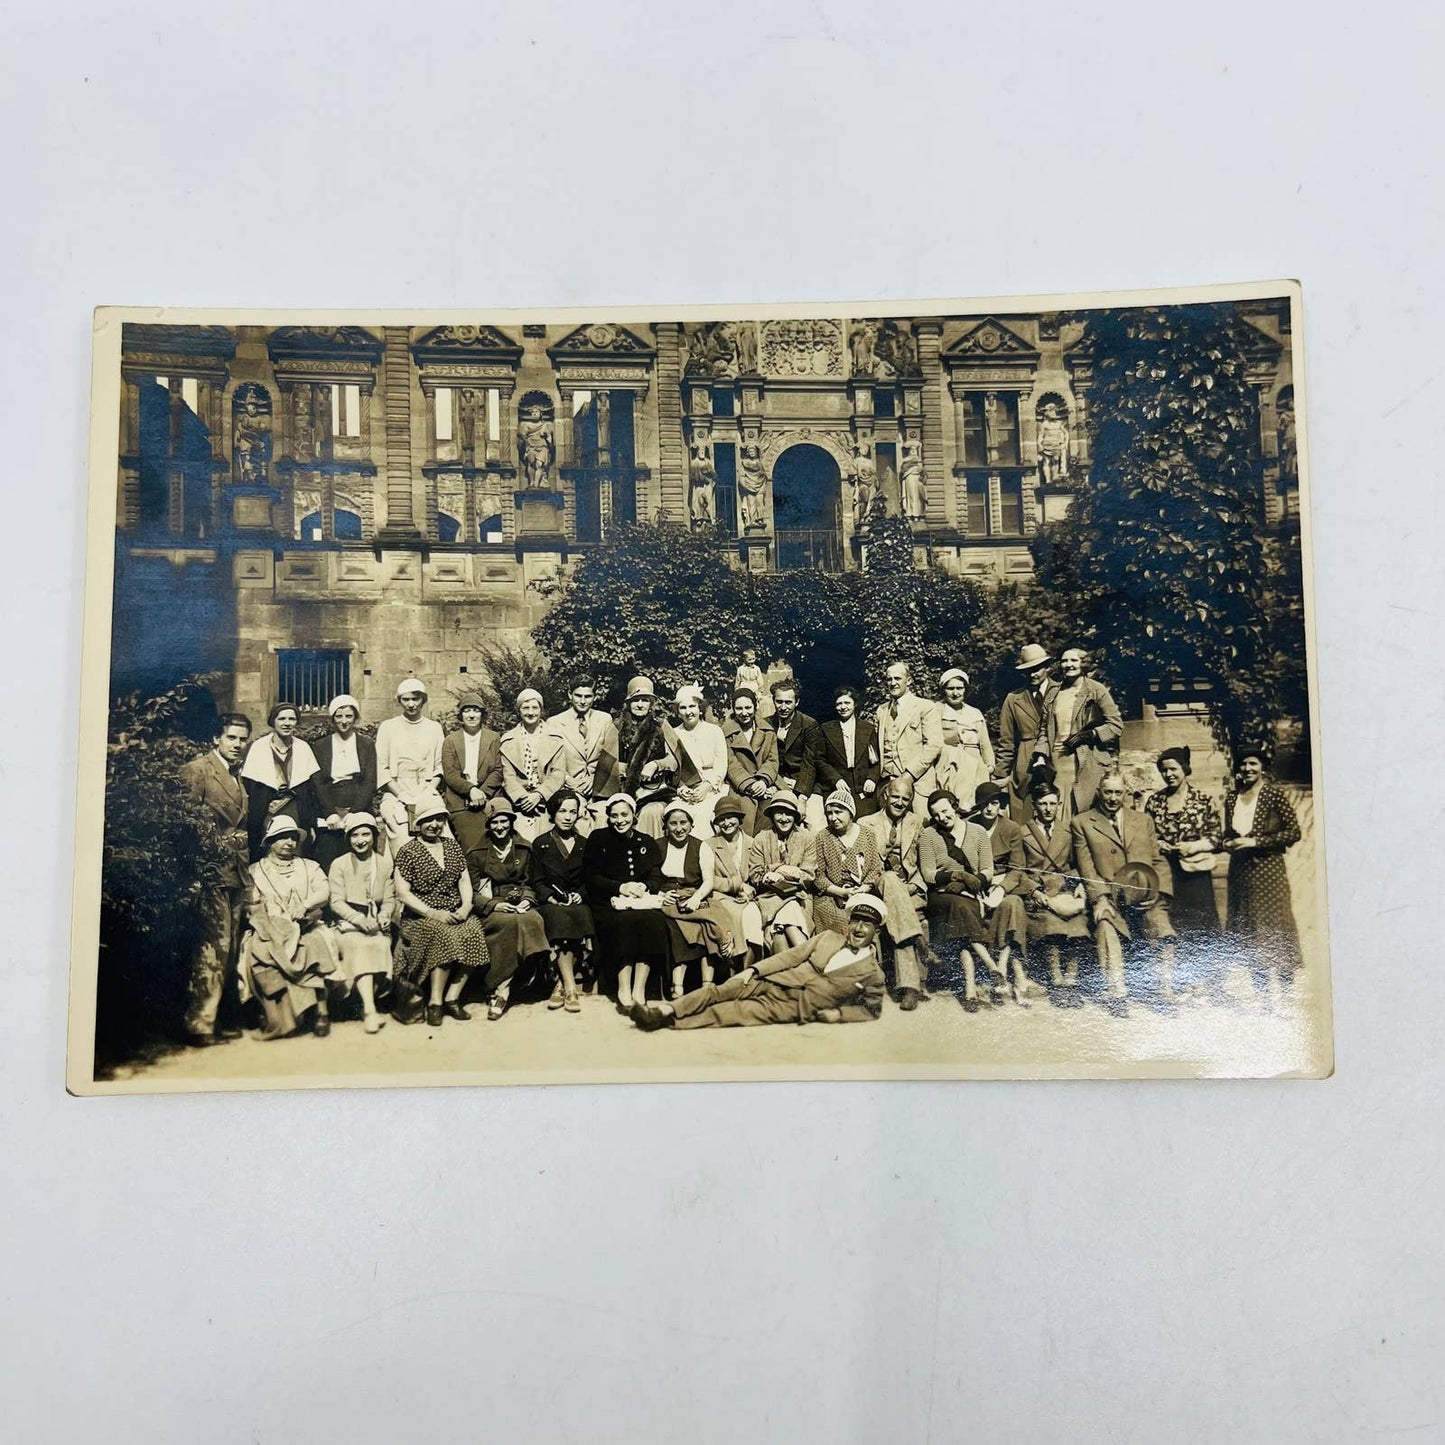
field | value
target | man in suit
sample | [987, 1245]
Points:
[1117, 854]
[1023, 748]
[831, 978]
[1003, 904]
[897, 830]
[589, 752]
[752, 756]
[214, 781]
[910, 735]
[845, 751]
[1056, 906]
[471, 772]
[795, 739]
[1082, 728]
[533, 767]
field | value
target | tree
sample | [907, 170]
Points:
[1161, 556]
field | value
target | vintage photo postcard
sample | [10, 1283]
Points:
[870, 690]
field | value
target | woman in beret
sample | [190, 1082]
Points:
[845, 861]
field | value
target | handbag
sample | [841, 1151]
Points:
[1197, 862]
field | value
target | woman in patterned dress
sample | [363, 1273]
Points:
[442, 943]
[1187, 826]
[845, 861]
[1259, 824]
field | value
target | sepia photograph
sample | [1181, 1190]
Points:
[871, 691]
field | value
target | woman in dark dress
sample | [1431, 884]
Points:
[624, 887]
[648, 763]
[1259, 824]
[278, 770]
[502, 897]
[345, 779]
[561, 890]
[956, 860]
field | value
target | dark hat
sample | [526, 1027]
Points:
[986, 792]
[471, 699]
[729, 807]
[1180, 754]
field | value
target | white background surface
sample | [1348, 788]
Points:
[1134, 1262]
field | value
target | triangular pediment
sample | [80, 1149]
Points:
[990, 340]
[599, 339]
[464, 340]
[324, 342]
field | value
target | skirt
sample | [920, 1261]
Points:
[567, 922]
[469, 827]
[644, 935]
[429, 944]
[955, 918]
[288, 994]
[1193, 909]
[512, 937]
[363, 953]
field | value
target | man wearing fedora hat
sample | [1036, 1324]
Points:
[1116, 853]
[830, 978]
[1023, 747]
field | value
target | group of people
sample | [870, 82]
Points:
[766, 867]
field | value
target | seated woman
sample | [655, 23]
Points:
[1259, 824]
[442, 943]
[363, 901]
[687, 879]
[277, 771]
[502, 897]
[557, 882]
[623, 869]
[731, 891]
[1190, 835]
[701, 751]
[780, 869]
[345, 779]
[288, 954]
[845, 861]
[956, 860]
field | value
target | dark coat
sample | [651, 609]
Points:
[831, 763]
[556, 874]
[1021, 731]
[456, 790]
[796, 761]
[610, 860]
[350, 795]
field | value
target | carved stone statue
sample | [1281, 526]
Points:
[711, 350]
[902, 350]
[1053, 441]
[744, 338]
[536, 447]
[251, 435]
[865, 482]
[467, 399]
[862, 336]
[910, 477]
[752, 488]
[1288, 449]
[702, 484]
[994, 418]
[306, 435]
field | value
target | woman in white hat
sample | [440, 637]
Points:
[967, 756]
[345, 780]
[288, 954]
[845, 861]
[780, 868]
[365, 906]
[687, 877]
[277, 771]
[702, 758]
[443, 944]
[408, 760]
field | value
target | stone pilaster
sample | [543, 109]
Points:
[930, 335]
[396, 394]
[671, 452]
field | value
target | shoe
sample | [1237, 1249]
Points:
[226, 1035]
[572, 1003]
[374, 1024]
[435, 1013]
[650, 1019]
[456, 1009]
[557, 998]
[496, 1009]
[201, 1041]
[908, 999]
[970, 1005]
[322, 1026]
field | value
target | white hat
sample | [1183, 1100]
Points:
[868, 903]
[688, 692]
[620, 798]
[411, 684]
[677, 806]
[344, 699]
[432, 808]
[280, 825]
[953, 672]
[352, 821]
[527, 692]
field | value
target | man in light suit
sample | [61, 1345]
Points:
[589, 752]
[532, 765]
[897, 830]
[214, 781]
[831, 978]
[910, 735]
[1116, 852]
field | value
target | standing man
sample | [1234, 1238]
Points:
[796, 738]
[532, 765]
[589, 752]
[905, 895]
[408, 761]
[214, 781]
[1116, 852]
[1023, 747]
[752, 756]
[845, 751]
[1083, 727]
[910, 735]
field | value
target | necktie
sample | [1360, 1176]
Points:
[529, 762]
[894, 858]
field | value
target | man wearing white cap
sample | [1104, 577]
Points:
[532, 766]
[831, 978]
[589, 751]
[408, 761]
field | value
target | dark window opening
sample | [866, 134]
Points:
[309, 678]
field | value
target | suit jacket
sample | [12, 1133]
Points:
[1099, 853]
[589, 752]
[349, 795]
[912, 740]
[209, 782]
[755, 759]
[796, 761]
[1008, 856]
[1020, 729]
[830, 762]
[1095, 756]
[456, 790]
[855, 990]
[547, 748]
[910, 831]
[1048, 856]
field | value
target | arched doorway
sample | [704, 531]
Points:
[808, 509]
